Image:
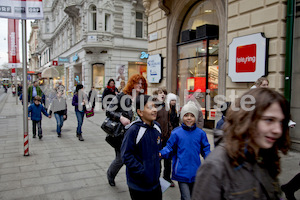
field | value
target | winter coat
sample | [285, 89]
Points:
[106, 92]
[75, 103]
[186, 144]
[217, 179]
[139, 151]
[115, 114]
[58, 106]
[36, 112]
[163, 118]
[38, 92]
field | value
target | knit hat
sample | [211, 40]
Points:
[169, 98]
[190, 107]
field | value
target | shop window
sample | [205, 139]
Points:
[137, 68]
[139, 25]
[93, 20]
[198, 69]
[98, 76]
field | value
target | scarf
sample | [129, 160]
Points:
[111, 88]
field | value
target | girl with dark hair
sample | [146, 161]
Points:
[110, 90]
[246, 165]
[79, 113]
[121, 109]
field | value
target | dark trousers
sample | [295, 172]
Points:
[294, 184]
[167, 165]
[186, 190]
[39, 125]
[155, 194]
[115, 166]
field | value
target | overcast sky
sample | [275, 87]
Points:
[4, 41]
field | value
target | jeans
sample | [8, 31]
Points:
[80, 116]
[39, 124]
[59, 122]
[186, 190]
[115, 166]
[155, 194]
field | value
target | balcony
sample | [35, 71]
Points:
[97, 42]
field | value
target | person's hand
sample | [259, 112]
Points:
[65, 116]
[124, 120]
[159, 154]
[28, 118]
[49, 116]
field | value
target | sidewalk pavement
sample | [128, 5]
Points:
[65, 168]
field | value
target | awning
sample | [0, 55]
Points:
[50, 72]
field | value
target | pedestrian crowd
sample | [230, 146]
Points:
[151, 131]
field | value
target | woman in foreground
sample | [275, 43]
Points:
[246, 165]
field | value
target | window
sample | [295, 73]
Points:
[93, 20]
[139, 25]
[47, 25]
[198, 68]
[107, 23]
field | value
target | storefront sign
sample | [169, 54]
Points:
[248, 58]
[154, 68]
[75, 58]
[54, 63]
[21, 9]
[144, 55]
[63, 60]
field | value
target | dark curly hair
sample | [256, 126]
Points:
[133, 80]
[241, 125]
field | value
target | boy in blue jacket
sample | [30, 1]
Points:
[185, 144]
[139, 151]
[36, 109]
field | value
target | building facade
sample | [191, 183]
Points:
[91, 41]
[194, 39]
[33, 54]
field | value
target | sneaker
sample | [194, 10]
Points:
[172, 184]
[34, 136]
[40, 136]
[288, 194]
[59, 135]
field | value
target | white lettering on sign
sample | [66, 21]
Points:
[245, 60]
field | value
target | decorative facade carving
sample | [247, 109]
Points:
[146, 4]
[161, 5]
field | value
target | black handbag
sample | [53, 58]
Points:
[112, 128]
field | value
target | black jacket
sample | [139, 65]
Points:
[139, 151]
[114, 110]
[106, 92]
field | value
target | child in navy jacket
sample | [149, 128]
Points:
[36, 109]
[185, 144]
[139, 151]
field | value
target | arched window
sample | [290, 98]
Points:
[198, 48]
[93, 18]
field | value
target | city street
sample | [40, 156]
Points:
[65, 168]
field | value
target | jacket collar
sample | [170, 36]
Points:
[187, 128]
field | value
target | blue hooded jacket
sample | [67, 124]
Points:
[139, 151]
[36, 112]
[185, 145]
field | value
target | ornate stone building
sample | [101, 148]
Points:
[92, 39]
[191, 61]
